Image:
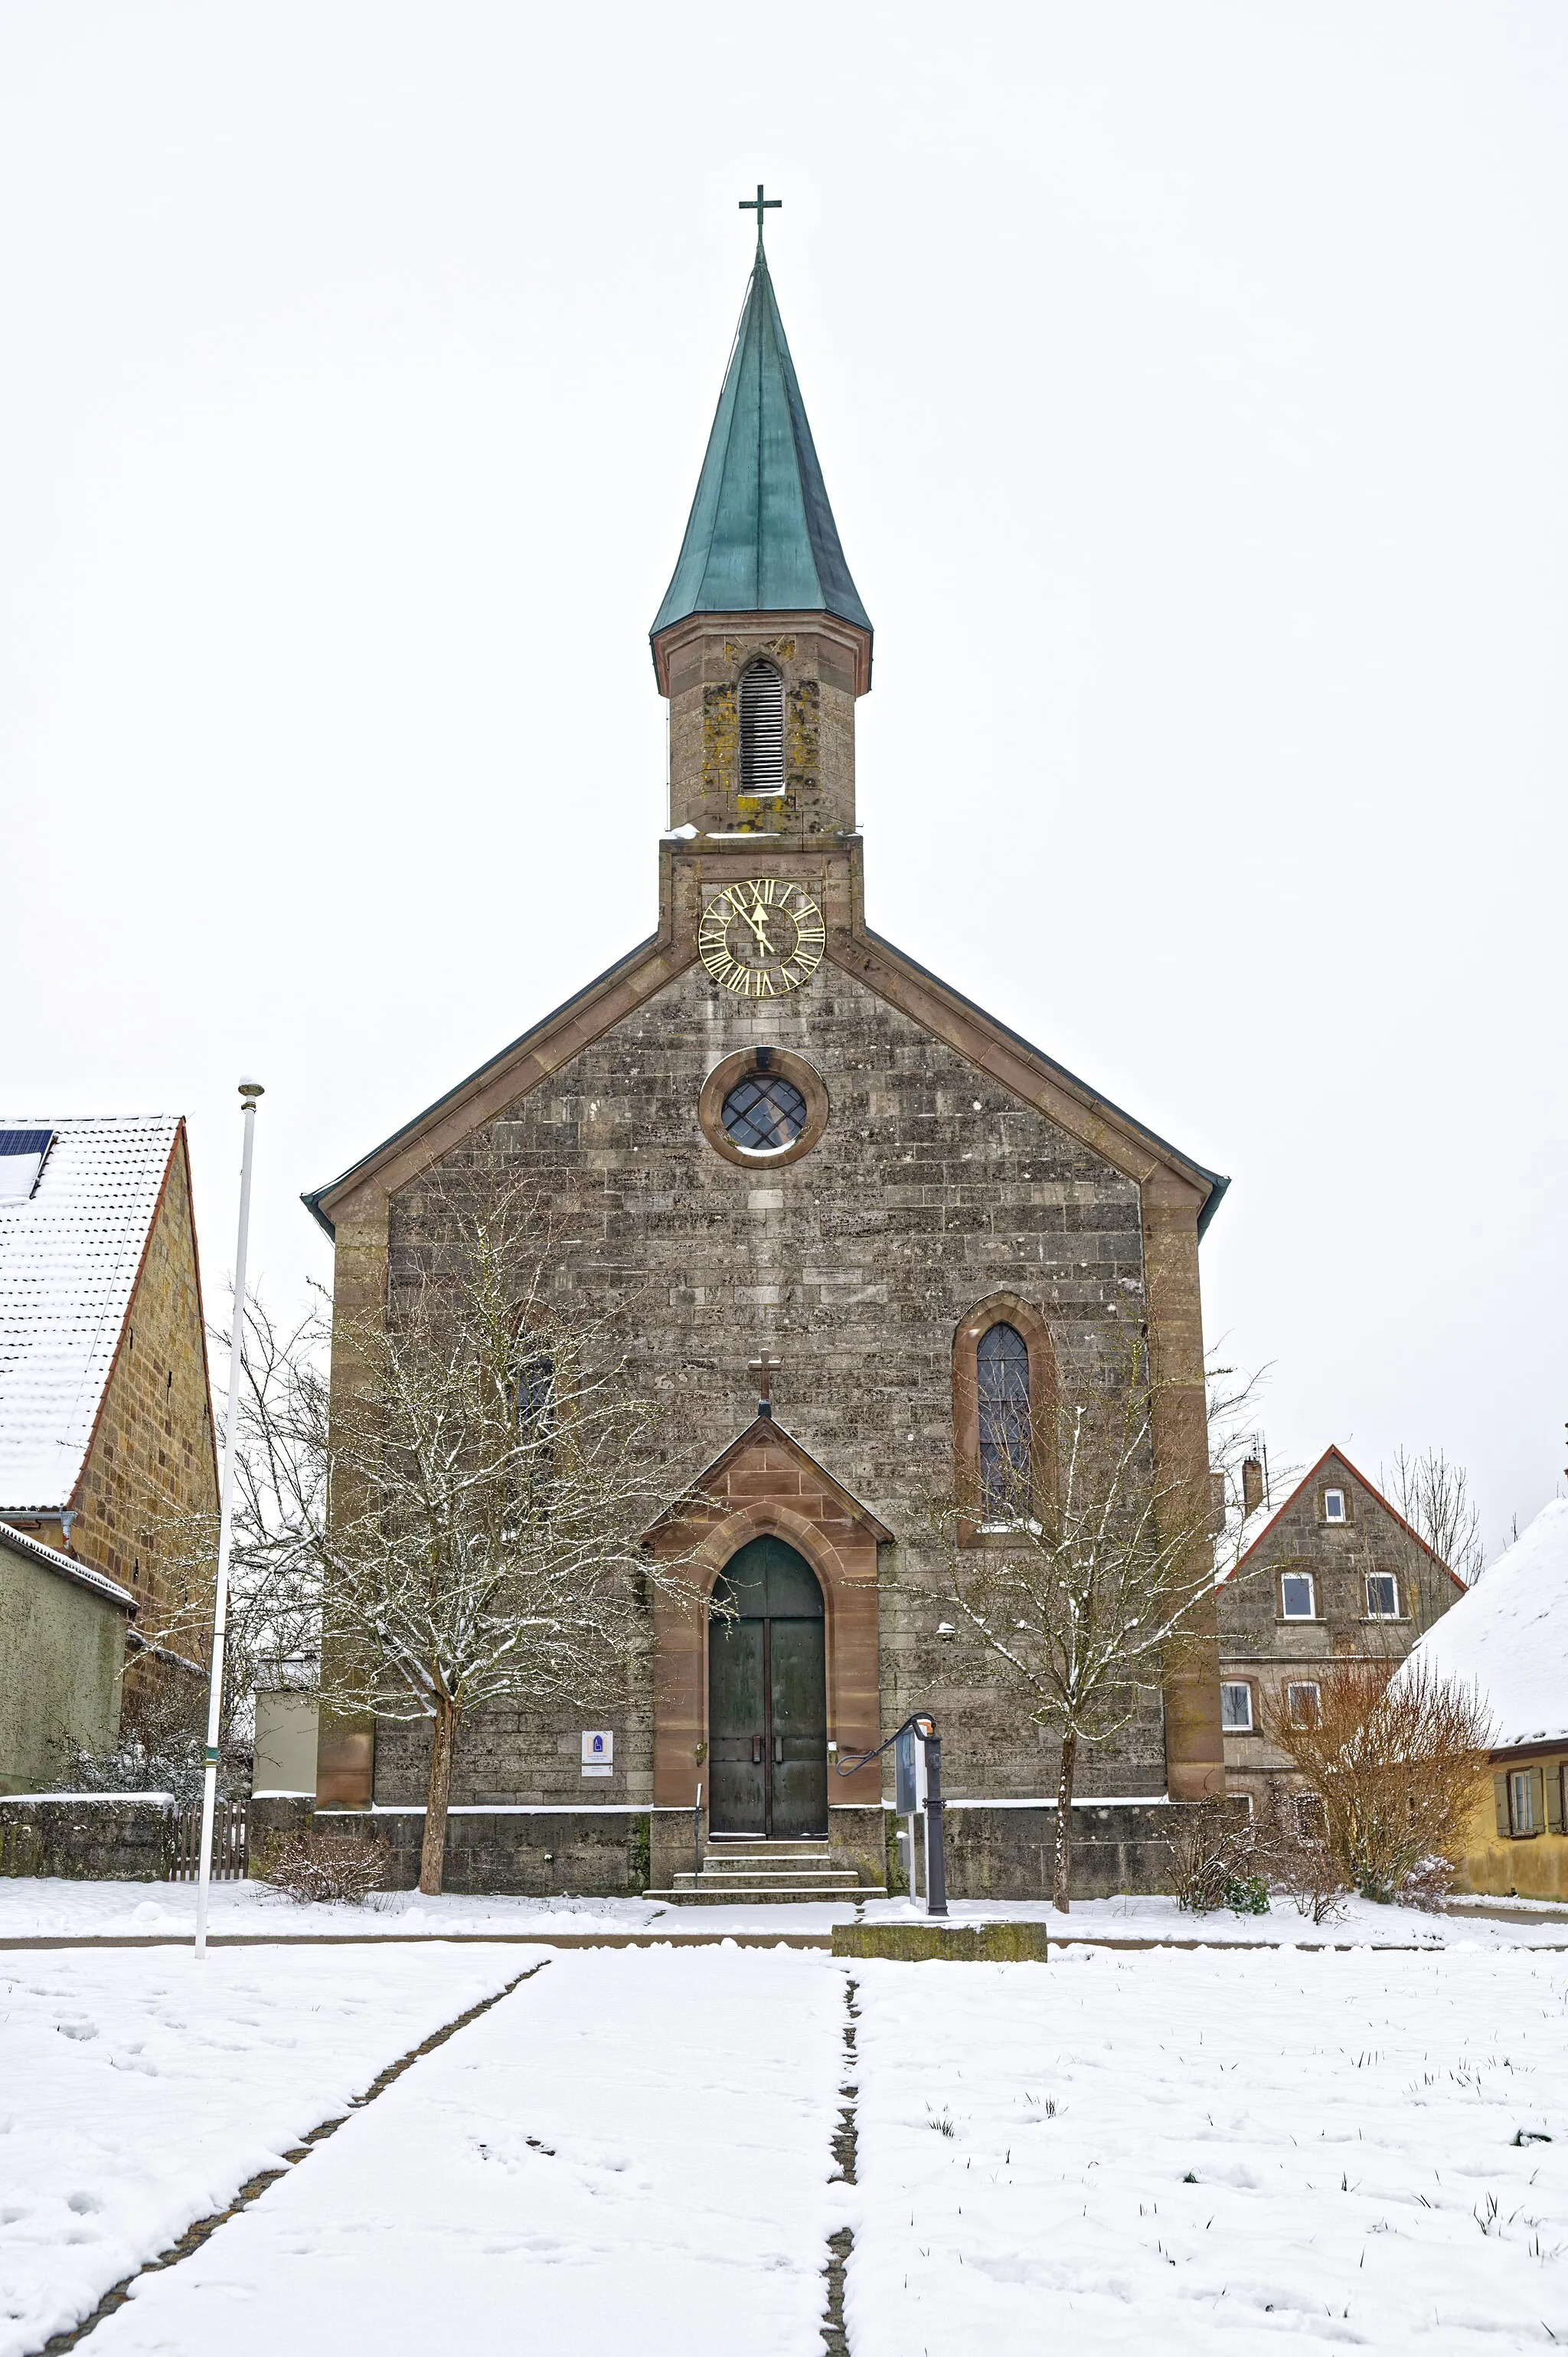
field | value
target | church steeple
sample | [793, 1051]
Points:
[761, 537]
[762, 644]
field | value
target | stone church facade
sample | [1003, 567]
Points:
[794, 1143]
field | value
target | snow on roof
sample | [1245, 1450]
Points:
[67, 1565]
[1509, 1635]
[70, 1251]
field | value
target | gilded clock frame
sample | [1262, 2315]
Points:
[780, 975]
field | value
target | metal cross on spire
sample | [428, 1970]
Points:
[759, 204]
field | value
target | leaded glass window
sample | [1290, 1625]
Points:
[764, 1113]
[1002, 1366]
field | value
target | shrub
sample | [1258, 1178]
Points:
[1427, 1884]
[1210, 1851]
[1396, 1761]
[1300, 1865]
[1247, 1894]
[316, 1865]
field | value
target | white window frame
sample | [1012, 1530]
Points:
[1302, 1687]
[1235, 1686]
[1521, 1803]
[1311, 1613]
[1373, 1579]
[1329, 1513]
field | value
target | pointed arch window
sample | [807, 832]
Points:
[762, 729]
[1004, 1415]
[1002, 1383]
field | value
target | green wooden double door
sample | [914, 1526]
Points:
[768, 1697]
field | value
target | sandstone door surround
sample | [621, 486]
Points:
[765, 1483]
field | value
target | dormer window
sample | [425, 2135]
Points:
[1334, 1506]
[762, 729]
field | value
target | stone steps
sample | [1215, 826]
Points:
[741, 1895]
[741, 1871]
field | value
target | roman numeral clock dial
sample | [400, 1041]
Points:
[762, 938]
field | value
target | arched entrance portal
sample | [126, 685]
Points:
[768, 1697]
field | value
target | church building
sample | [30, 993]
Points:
[822, 1162]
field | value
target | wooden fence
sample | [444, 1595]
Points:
[229, 1848]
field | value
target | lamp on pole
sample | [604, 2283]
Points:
[249, 1091]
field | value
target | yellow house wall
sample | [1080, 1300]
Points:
[1532, 1866]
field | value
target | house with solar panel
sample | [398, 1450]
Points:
[106, 1438]
[872, 1234]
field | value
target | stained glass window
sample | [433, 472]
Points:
[1002, 1371]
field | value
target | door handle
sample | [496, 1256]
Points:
[757, 1750]
[779, 1751]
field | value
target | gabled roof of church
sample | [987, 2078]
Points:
[761, 537]
[940, 1011]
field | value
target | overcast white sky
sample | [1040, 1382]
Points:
[1190, 382]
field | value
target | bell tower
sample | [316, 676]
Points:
[762, 645]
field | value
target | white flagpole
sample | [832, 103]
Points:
[249, 1091]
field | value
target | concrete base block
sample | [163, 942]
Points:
[935, 1942]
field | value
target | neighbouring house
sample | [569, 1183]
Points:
[106, 1440]
[1510, 1639]
[63, 1654]
[1336, 1572]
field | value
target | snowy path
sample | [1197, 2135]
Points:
[1174, 2151]
[631, 2152]
[139, 2091]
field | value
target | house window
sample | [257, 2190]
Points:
[1334, 1506]
[1382, 1596]
[762, 729]
[1301, 1704]
[1002, 1372]
[1295, 1595]
[1308, 1818]
[1236, 1707]
[1524, 1811]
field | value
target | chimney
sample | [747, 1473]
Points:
[1251, 1486]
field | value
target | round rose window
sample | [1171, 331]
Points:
[764, 1113]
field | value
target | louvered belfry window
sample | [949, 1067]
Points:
[762, 729]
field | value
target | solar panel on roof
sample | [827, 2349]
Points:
[23, 1152]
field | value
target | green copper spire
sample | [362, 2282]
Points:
[761, 537]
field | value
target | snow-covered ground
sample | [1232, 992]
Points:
[139, 2090]
[1358, 1922]
[1170, 2151]
[1115, 2150]
[85, 1910]
[32, 1909]
[629, 2153]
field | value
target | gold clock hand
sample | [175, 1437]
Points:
[756, 918]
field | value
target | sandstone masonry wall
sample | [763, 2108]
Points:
[931, 1189]
[152, 1459]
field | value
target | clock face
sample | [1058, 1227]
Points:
[762, 937]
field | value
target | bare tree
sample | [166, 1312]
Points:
[1395, 1757]
[1433, 1496]
[492, 1477]
[1080, 1572]
[273, 1618]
